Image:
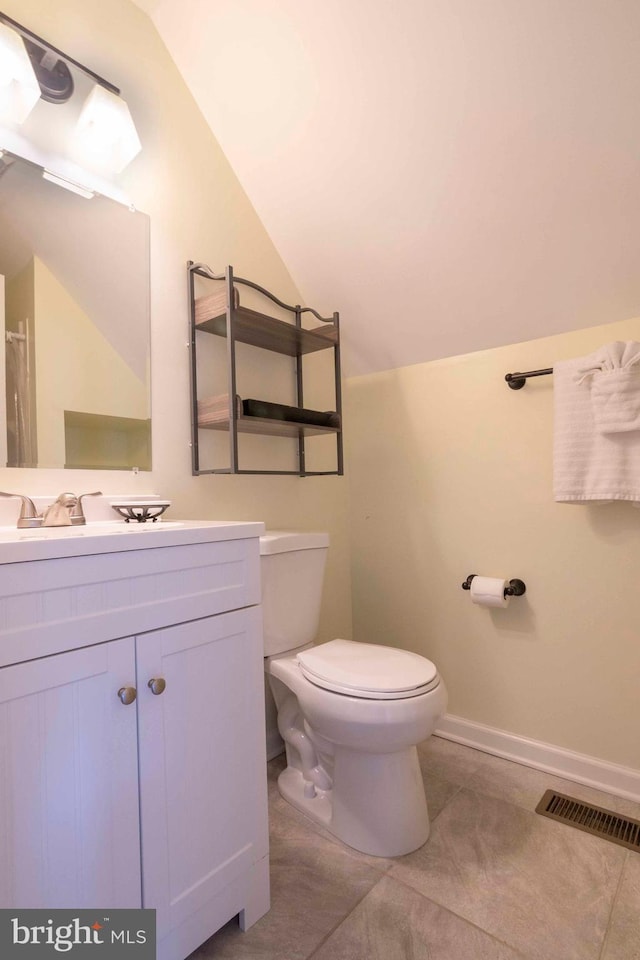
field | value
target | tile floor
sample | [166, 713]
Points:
[495, 881]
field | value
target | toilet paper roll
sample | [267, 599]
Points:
[489, 592]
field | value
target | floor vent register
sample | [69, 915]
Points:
[596, 820]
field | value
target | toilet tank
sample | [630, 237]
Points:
[292, 571]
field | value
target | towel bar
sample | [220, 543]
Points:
[516, 588]
[517, 380]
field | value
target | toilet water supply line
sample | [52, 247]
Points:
[312, 771]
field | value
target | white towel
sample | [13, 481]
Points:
[613, 373]
[589, 466]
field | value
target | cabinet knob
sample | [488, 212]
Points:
[127, 695]
[157, 685]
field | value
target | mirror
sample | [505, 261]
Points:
[75, 316]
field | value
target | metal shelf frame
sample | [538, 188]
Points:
[238, 324]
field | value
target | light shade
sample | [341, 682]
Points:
[19, 89]
[106, 134]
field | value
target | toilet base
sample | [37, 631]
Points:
[377, 805]
[295, 790]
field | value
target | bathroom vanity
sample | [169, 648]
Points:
[132, 745]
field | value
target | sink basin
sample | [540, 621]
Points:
[113, 536]
[98, 529]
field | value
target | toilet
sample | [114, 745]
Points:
[350, 713]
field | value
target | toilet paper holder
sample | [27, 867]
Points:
[516, 588]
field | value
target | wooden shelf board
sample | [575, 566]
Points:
[261, 330]
[272, 428]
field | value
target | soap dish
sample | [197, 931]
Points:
[140, 510]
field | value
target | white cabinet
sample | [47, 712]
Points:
[159, 802]
[68, 781]
[202, 768]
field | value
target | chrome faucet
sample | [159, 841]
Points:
[59, 513]
[64, 512]
[77, 514]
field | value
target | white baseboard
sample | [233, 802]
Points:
[610, 777]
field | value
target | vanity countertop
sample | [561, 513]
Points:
[116, 536]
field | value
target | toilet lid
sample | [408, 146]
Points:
[367, 670]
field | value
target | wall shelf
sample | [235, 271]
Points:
[272, 428]
[220, 313]
[266, 332]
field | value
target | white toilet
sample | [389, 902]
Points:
[350, 713]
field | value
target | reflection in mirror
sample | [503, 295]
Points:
[75, 316]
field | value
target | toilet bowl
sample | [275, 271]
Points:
[350, 713]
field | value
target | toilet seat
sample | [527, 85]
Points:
[367, 670]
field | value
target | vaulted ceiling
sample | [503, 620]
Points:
[450, 175]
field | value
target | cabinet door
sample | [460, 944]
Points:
[202, 761]
[69, 833]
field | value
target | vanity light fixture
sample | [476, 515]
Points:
[106, 132]
[52, 73]
[104, 136]
[19, 88]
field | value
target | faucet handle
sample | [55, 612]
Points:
[29, 516]
[77, 516]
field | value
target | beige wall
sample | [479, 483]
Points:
[451, 474]
[198, 211]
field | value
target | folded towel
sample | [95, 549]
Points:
[613, 373]
[589, 466]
